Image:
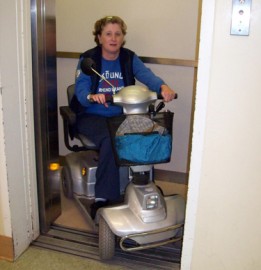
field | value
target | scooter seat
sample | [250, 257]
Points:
[86, 142]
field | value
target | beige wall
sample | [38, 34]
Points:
[224, 186]
[156, 28]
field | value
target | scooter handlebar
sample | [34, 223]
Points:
[108, 98]
[159, 96]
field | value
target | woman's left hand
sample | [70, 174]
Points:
[167, 93]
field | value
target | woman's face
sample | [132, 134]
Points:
[111, 40]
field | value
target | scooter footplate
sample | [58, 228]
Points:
[149, 235]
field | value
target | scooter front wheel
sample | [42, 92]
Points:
[106, 240]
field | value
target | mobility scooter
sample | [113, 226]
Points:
[141, 137]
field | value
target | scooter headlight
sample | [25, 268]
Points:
[152, 201]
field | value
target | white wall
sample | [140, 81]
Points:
[224, 194]
[224, 186]
[18, 204]
[5, 215]
[156, 28]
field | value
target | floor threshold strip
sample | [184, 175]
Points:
[85, 244]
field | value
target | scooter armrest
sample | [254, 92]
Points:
[68, 115]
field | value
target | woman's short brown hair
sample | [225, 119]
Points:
[100, 24]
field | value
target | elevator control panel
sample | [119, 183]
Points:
[240, 21]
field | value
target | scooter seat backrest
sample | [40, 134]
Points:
[73, 102]
[70, 93]
[72, 129]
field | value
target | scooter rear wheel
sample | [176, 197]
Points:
[67, 183]
[106, 240]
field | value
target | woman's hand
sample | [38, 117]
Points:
[99, 98]
[167, 93]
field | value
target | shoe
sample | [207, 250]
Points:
[97, 205]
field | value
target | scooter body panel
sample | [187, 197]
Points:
[130, 218]
[82, 166]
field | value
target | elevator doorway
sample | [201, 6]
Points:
[60, 218]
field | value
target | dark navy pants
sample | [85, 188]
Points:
[107, 174]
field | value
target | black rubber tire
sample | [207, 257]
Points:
[67, 183]
[106, 240]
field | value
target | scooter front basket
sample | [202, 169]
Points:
[141, 139]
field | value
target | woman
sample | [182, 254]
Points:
[120, 67]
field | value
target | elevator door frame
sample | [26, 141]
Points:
[43, 31]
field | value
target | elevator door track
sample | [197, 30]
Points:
[85, 244]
